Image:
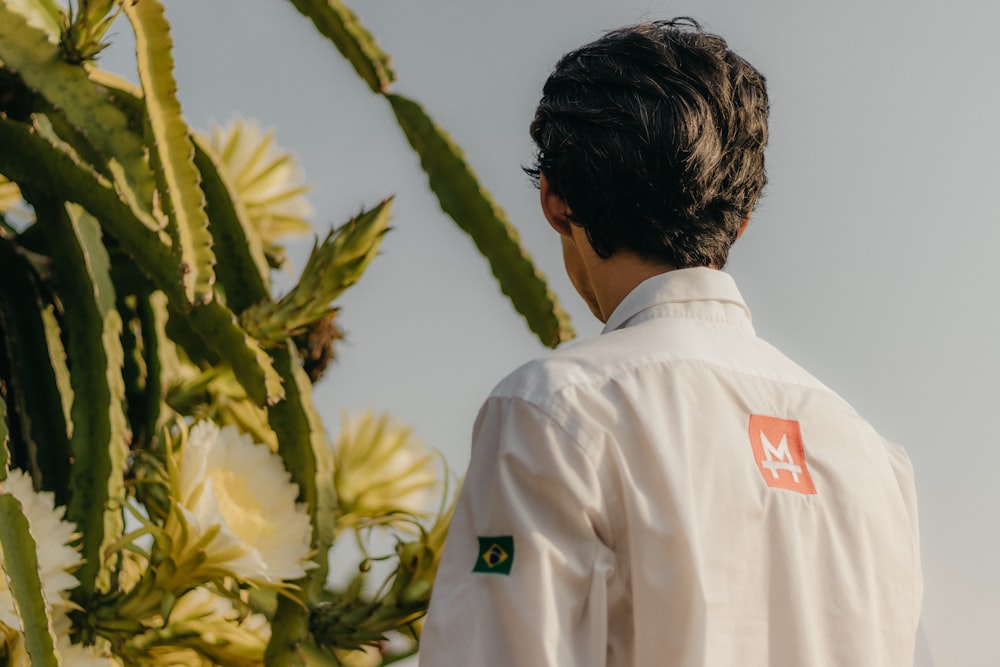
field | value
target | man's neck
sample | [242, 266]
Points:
[604, 282]
[614, 278]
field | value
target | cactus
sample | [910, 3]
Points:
[450, 178]
[37, 62]
[172, 153]
[18, 555]
[81, 35]
[93, 326]
[464, 199]
[136, 256]
[20, 562]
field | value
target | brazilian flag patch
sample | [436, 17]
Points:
[496, 555]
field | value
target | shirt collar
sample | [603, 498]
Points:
[681, 286]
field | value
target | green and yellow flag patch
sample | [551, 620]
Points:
[496, 555]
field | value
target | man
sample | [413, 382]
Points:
[676, 491]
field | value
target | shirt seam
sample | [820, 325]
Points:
[548, 401]
[745, 324]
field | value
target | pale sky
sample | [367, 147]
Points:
[869, 260]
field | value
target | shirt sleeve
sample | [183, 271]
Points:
[524, 575]
[903, 470]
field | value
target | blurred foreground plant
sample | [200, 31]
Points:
[167, 492]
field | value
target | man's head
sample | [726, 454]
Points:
[654, 137]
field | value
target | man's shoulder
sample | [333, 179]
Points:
[661, 351]
[581, 362]
[587, 366]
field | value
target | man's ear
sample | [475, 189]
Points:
[554, 208]
[743, 225]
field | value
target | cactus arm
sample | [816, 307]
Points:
[20, 562]
[212, 335]
[134, 364]
[219, 328]
[297, 427]
[38, 371]
[143, 334]
[172, 152]
[157, 354]
[229, 225]
[20, 566]
[33, 160]
[242, 270]
[302, 446]
[84, 103]
[59, 129]
[57, 358]
[451, 179]
[340, 25]
[143, 379]
[471, 206]
[81, 271]
[123, 94]
[42, 14]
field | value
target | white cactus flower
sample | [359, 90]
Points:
[381, 470]
[267, 180]
[53, 535]
[235, 510]
[77, 655]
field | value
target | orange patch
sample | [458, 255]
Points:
[780, 455]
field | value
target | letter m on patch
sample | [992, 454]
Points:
[780, 454]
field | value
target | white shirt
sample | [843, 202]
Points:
[677, 492]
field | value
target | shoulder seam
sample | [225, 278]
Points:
[546, 400]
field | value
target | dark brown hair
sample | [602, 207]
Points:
[654, 136]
